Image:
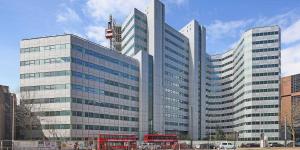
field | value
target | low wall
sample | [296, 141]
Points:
[238, 143]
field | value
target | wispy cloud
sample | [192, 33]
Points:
[219, 30]
[283, 20]
[96, 33]
[67, 15]
[176, 2]
[292, 33]
[290, 60]
[100, 9]
[226, 29]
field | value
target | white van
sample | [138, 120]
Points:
[226, 145]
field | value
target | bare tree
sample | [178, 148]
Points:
[294, 120]
[26, 118]
[24, 114]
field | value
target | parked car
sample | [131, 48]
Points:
[275, 144]
[205, 146]
[250, 145]
[226, 145]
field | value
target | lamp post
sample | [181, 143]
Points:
[285, 137]
[13, 125]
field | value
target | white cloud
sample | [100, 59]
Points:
[176, 2]
[292, 33]
[220, 30]
[96, 33]
[67, 15]
[290, 60]
[283, 20]
[100, 9]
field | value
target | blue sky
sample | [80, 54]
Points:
[225, 22]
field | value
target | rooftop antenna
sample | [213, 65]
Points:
[113, 34]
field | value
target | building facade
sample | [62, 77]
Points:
[163, 81]
[79, 88]
[243, 86]
[7, 105]
[290, 103]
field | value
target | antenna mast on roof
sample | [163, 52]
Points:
[113, 34]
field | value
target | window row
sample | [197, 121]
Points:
[45, 87]
[103, 80]
[78, 88]
[174, 108]
[177, 77]
[124, 44]
[175, 36]
[87, 127]
[175, 100]
[242, 124]
[176, 124]
[265, 41]
[80, 101]
[46, 48]
[265, 82]
[265, 33]
[219, 66]
[176, 45]
[104, 69]
[176, 53]
[175, 84]
[258, 131]
[221, 59]
[176, 68]
[132, 28]
[241, 117]
[177, 61]
[77, 74]
[265, 74]
[167, 90]
[244, 100]
[173, 116]
[103, 116]
[242, 109]
[295, 83]
[257, 139]
[265, 50]
[134, 17]
[265, 90]
[265, 58]
[110, 128]
[46, 61]
[247, 107]
[104, 57]
[265, 66]
[102, 92]
[45, 74]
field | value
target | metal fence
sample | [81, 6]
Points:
[47, 145]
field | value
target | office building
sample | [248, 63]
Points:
[243, 86]
[290, 104]
[7, 104]
[163, 81]
[79, 88]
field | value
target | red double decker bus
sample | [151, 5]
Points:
[117, 142]
[166, 141]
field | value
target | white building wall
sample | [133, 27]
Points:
[238, 100]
